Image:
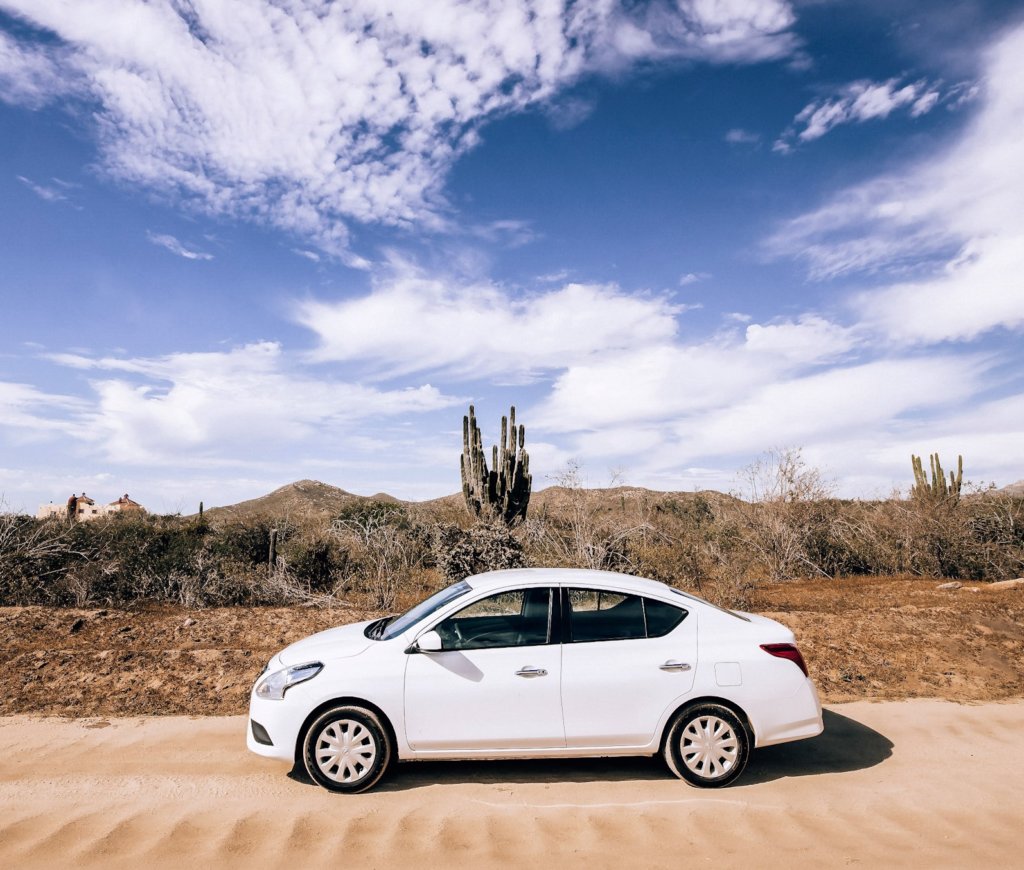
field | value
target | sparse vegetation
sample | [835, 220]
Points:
[381, 555]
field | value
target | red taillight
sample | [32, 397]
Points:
[786, 651]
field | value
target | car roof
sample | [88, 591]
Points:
[568, 577]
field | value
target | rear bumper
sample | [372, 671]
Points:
[795, 718]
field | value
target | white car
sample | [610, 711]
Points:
[536, 663]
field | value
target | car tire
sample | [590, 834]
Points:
[347, 749]
[707, 745]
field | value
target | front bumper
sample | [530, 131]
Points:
[281, 722]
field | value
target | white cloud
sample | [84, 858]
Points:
[310, 115]
[739, 136]
[25, 407]
[978, 291]
[565, 113]
[809, 339]
[954, 219]
[855, 103]
[693, 278]
[43, 191]
[872, 396]
[670, 381]
[34, 75]
[415, 324]
[190, 408]
[510, 233]
[662, 413]
[171, 244]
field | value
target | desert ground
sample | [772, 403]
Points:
[920, 783]
[863, 638]
[122, 737]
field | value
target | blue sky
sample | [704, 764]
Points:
[243, 243]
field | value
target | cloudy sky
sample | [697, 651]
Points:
[246, 242]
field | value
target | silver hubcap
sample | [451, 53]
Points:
[345, 751]
[709, 747]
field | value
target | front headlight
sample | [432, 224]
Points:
[274, 686]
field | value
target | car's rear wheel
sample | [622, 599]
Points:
[707, 745]
[347, 749]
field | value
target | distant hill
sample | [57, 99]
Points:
[1014, 488]
[302, 500]
[557, 499]
[313, 500]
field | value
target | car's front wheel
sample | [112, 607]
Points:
[347, 749]
[707, 745]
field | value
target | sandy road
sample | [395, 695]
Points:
[915, 784]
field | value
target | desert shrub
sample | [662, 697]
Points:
[385, 554]
[460, 553]
[784, 524]
[34, 556]
[384, 547]
[249, 542]
[139, 557]
[315, 561]
[697, 546]
[581, 535]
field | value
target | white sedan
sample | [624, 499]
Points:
[536, 663]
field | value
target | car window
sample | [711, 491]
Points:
[597, 614]
[521, 617]
[661, 617]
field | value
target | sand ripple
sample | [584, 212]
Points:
[919, 783]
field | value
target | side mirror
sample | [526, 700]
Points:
[428, 642]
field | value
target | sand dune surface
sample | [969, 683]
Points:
[916, 783]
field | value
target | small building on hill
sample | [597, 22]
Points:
[81, 507]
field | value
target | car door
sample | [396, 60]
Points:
[495, 685]
[625, 660]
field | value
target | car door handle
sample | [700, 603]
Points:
[531, 672]
[673, 665]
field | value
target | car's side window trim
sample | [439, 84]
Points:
[556, 626]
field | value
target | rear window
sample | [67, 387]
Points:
[598, 614]
[661, 617]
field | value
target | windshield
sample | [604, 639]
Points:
[423, 610]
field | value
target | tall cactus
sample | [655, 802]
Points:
[504, 490]
[937, 488]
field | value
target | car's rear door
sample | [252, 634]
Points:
[496, 684]
[625, 660]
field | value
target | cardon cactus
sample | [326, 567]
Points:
[503, 491]
[937, 488]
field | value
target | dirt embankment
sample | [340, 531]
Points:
[874, 638]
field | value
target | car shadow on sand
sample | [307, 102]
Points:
[846, 745]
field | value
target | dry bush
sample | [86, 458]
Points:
[384, 549]
[486, 546]
[581, 536]
[34, 554]
[981, 537]
[697, 547]
[783, 513]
